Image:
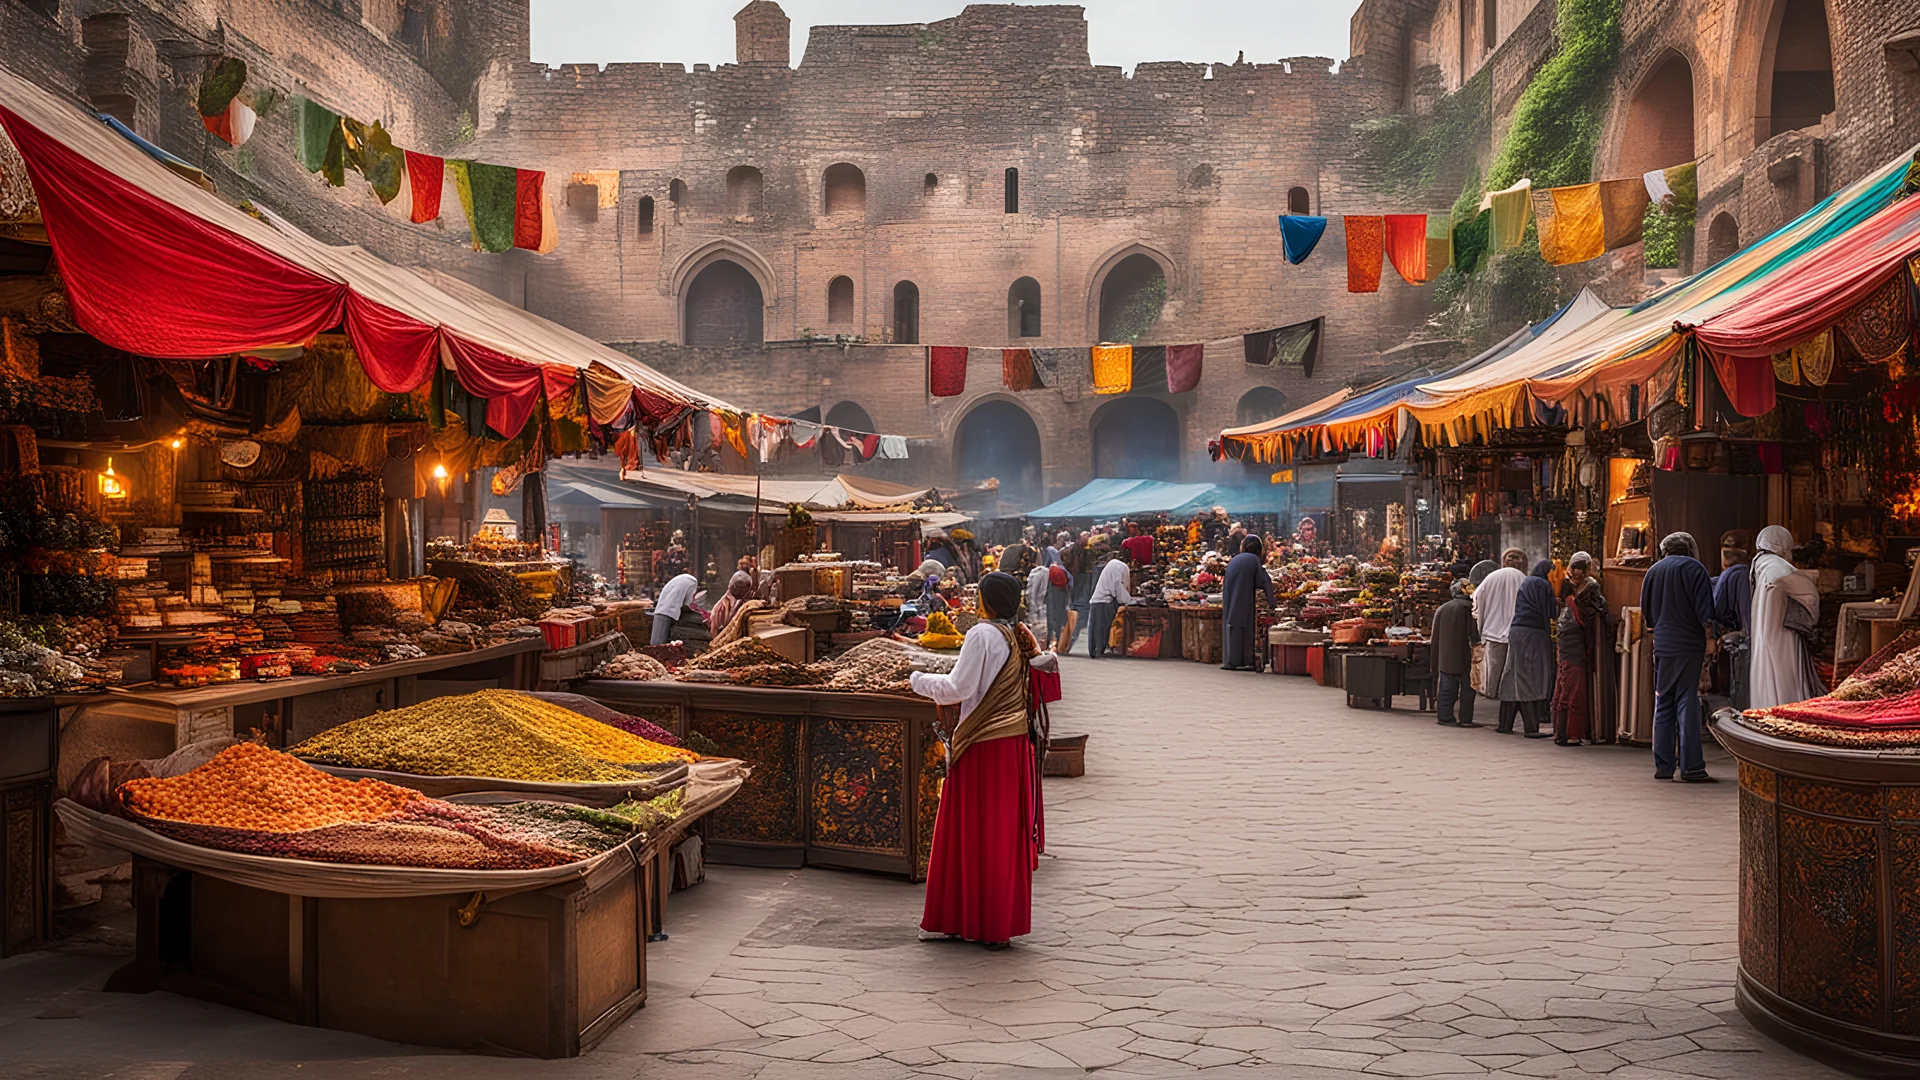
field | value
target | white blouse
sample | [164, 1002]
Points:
[982, 655]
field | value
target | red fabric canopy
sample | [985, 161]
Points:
[511, 387]
[146, 277]
[1794, 305]
[397, 352]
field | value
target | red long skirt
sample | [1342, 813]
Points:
[980, 875]
[1570, 702]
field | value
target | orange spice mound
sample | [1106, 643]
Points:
[249, 786]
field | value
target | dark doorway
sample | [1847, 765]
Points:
[1131, 298]
[724, 306]
[1259, 405]
[1802, 76]
[849, 415]
[1298, 202]
[1023, 309]
[999, 440]
[1723, 238]
[1137, 438]
[906, 313]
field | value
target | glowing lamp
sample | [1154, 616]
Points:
[110, 485]
[176, 443]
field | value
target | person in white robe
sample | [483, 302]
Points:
[1780, 671]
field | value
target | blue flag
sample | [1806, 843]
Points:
[1301, 234]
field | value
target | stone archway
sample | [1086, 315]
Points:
[1723, 238]
[1137, 438]
[1659, 128]
[1124, 288]
[1796, 82]
[724, 306]
[998, 439]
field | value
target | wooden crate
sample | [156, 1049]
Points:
[547, 973]
[1200, 634]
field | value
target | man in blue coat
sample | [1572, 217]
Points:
[1246, 575]
[1676, 599]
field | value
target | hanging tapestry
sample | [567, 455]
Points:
[1052, 366]
[1183, 367]
[1258, 346]
[1407, 246]
[1879, 325]
[1016, 369]
[1112, 369]
[1300, 234]
[1572, 229]
[1623, 210]
[1785, 368]
[946, 370]
[1150, 368]
[1814, 358]
[1298, 344]
[1366, 241]
[1512, 209]
[425, 174]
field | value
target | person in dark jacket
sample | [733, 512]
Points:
[1527, 678]
[1732, 605]
[1676, 599]
[1246, 576]
[1454, 636]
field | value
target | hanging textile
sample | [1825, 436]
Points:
[1748, 381]
[893, 447]
[806, 428]
[1149, 369]
[1623, 211]
[425, 174]
[488, 195]
[1439, 244]
[1786, 368]
[1470, 239]
[606, 183]
[529, 195]
[1512, 209]
[1572, 229]
[1298, 344]
[1257, 347]
[1050, 366]
[319, 141]
[397, 351]
[946, 370]
[1674, 186]
[1879, 325]
[561, 385]
[733, 428]
[1299, 235]
[1407, 246]
[511, 387]
[1658, 190]
[233, 124]
[1112, 369]
[383, 164]
[768, 434]
[1366, 239]
[1183, 367]
[1814, 358]
[608, 395]
[1016, 369]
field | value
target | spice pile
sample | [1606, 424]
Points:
[257, 801]
[1897, 676]
[637, 666]
[739, 653]
[497, 733]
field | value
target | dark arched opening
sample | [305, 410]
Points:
[1800, 84]
[1723, 238]
[1023, 309]
[1259, 405]
[849, 415]
[1659, 129]
[1013, 191]
[840, 301]
[1000, 441]
[744, 184]
[906, 313]
[1131, 298]
[846, 190]
[1137, 438]
[646, 215]
[1298, 201]
[724, 306]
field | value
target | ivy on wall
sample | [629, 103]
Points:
[1556, 125]
[1417, 150]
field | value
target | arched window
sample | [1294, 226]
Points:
[1013, 191]
[1723, 238]
[840, 301]
[1659, 131]
[1801, 85]
[1131, 298]
[677, 193]
[906, 313]
[1259, 405]
[743, 190]
[1136, 438]
[1298, 201]
[849, 415]
[931, 182]
[1023, 309]
[1489, 24]
[999, 441]
[724, 306]
[846, 190]
[646, 215]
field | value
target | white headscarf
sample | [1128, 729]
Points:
[1776, 539]
[1779, 673]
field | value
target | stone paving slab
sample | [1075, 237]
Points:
[1251, 880]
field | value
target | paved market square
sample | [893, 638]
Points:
[1251, 880]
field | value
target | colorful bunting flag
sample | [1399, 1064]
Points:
[1623, 209]
[425, 177]
[1183, 367]
[1407, 246]
[1366, 236]
[946, 370]
[1300, 234]
[1572, 227]
[1112, 369]
[1512, 209]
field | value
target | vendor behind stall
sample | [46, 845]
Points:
[1109, 592]
[675, 616]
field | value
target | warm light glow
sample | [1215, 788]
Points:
[177, 443]
[439, 472]
[110, 485]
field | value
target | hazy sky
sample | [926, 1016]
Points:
[1122, 32]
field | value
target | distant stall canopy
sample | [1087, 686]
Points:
[157, 266]
[1115, 498]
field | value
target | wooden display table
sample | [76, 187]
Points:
[1200, 632]
[1829, 897]
[841, 780]
[1150, 633]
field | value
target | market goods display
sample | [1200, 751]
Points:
[941, 633]
[499, 733]
[877, 673]
[777, 675]
[743, 652]
[248, 786]
[593, 710]
[637, 666]
[56, 654]
[1900, 675]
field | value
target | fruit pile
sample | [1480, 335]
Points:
[248, 786]
[496, 733]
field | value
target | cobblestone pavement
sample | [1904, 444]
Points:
[1252, 880]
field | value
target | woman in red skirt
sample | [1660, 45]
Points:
[987, 838]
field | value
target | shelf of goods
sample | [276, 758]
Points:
[1830, 896]
[843, 780]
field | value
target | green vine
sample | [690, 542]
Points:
[1417, 150]
[1556, 125]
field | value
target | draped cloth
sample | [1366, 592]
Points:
[1623, 210]
[1780, 672]
[1748, 381]
[426, 175]
[1300, 234]
[1572, 225]
[1183, 367]
[1878, 326]
[1439, 244]
[1512, 210]
[1366, 241]
[946, 370]
[1112, 369]
[1149, 368]
[1407, 246]
[1016, 370]
[511, 387]
[1814, 358]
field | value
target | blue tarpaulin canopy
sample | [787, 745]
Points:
[1109, 498]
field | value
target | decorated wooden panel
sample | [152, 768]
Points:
[1837, 800]
[859, 770]
[1830, 915]
[767, 808]
[1759, 888]
[933, 773]
[1905, 848]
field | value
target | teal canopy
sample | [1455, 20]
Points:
[1111, 498]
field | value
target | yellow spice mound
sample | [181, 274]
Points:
[500, 733]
